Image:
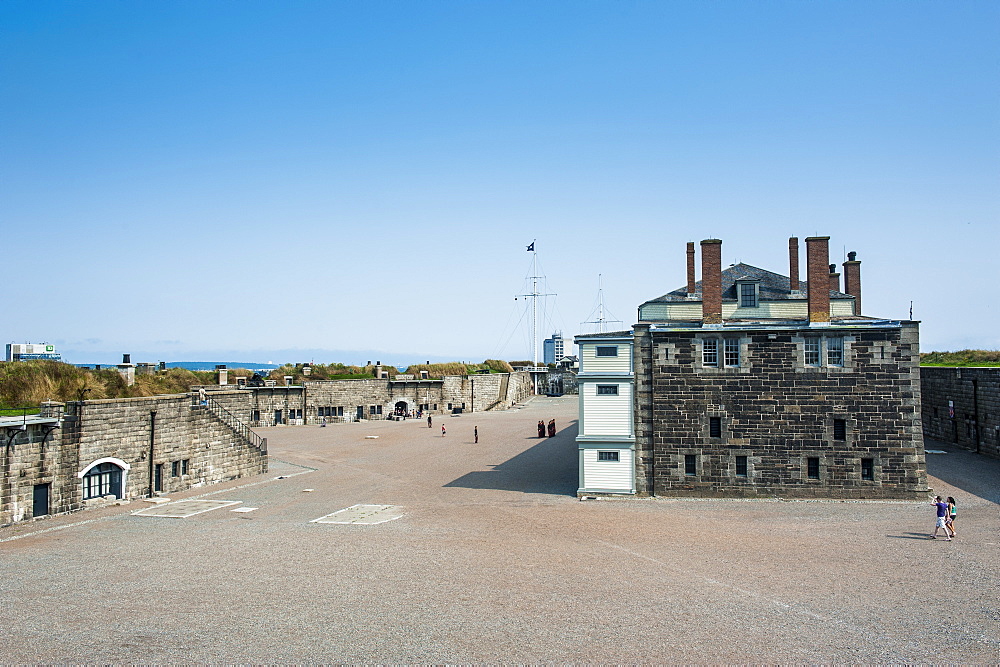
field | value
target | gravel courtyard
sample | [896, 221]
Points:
[493, 559]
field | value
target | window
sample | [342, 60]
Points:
[732, 348]
[255, 415]
[690, 465]
[748, 295]
[607, 456]
[175, 469]
[824, 350]
[710, 352]
[741, 466]
[812, 467]
[103, 480]
[185, 466]
[607, 390]
[607, 350]
[868, 469]
[835, 351]
[812, 351]
[839, 429]
[715, 427]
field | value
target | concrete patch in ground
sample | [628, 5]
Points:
[364, 515]
[185, 508]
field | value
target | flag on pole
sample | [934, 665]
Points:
[531, 248]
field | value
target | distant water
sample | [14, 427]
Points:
[210, 365]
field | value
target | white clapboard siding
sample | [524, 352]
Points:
[791, 309]
[591, 363]
[607, 415]
[608, 475]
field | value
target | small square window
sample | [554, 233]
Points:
[868, 469]
[839, 429]
[710, 352]
[812, 467]
[607, 456]
[607, 350]
[715, 427]
[607, 390]
[741, 466]
[690, 465]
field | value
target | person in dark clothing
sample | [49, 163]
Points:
[552, 428]
[475, 433]
[541, 429]
[430, 421]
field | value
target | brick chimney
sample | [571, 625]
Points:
[711, 281]
[852, 279]
[834, 278]
[817, 277]
[793, 264]
[690, 266]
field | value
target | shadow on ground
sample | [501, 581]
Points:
[973, 473]
[549, 467]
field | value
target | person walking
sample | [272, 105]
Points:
[443, 430]
[952, 512]
[541, 428]
[552, 428]
[475, 433]
[942, 514]
[430, 422]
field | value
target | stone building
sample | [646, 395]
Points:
[85, 453]
[751, 383]
[961, 406]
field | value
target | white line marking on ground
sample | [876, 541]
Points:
[182, 509]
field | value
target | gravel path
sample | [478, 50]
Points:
[495, 560]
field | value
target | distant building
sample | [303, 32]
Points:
[32, 351]
[553, 348]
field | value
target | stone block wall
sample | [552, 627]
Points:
[778, 413]
[126, 432]
[961, 406]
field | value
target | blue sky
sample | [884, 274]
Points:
[334, 180]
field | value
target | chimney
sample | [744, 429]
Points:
[852, 279]
[711, 281]
[817, 272]
[126, 358]
[793, 264]
[690, 265]
[834, 278]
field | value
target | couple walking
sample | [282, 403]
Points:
[946, 512]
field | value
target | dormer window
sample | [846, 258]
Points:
[748, 294]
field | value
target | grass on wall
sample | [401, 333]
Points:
[961, 358]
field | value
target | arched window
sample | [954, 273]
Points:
[103, 480]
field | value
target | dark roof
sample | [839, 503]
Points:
[608, 334]
[773, 286]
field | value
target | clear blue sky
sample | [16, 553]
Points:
[269, 180]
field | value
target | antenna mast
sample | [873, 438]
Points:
[601, 321]
[533, 295]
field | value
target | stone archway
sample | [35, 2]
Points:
[402, 408]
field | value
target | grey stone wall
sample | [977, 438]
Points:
[125, 430]
[779, 413]
[257, 406]
[961, 406]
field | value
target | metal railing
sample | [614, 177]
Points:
[233, 422]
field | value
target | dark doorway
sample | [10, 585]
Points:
[40, 500]
[277, 417]
[361, 412]
[400, 408]
[158, 477]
